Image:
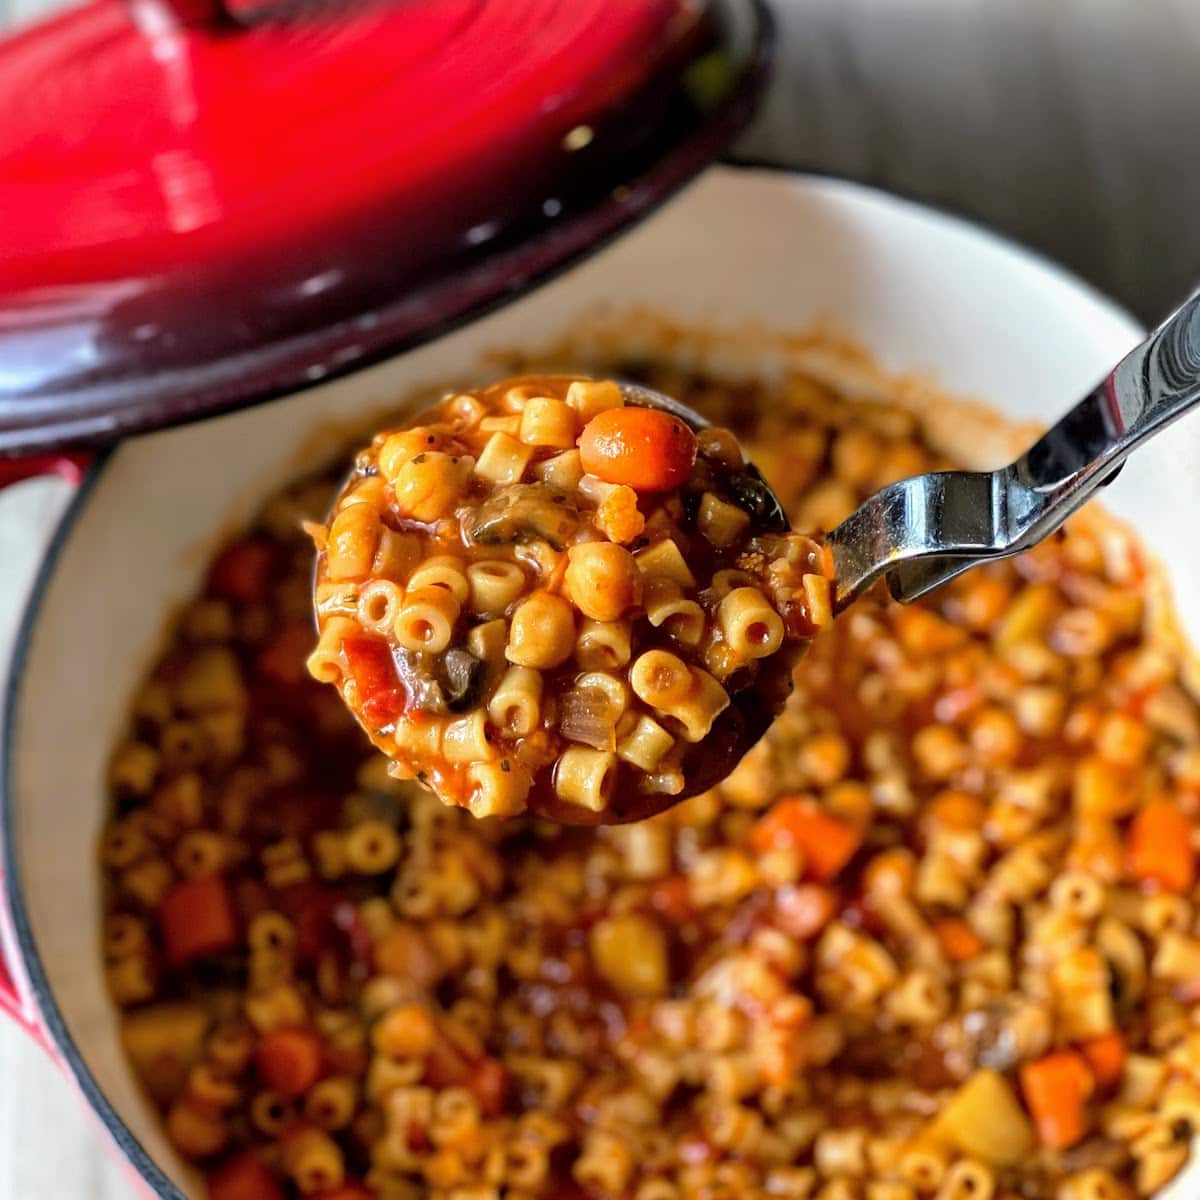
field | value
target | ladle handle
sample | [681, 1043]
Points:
[922, 532]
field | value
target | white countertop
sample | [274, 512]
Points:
[50, 1147]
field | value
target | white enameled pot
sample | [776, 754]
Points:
[924, 291]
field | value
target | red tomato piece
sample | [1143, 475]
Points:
[381, 697]
[288, 1061]
[196, 917]
[243, 1178]
[489, 1083]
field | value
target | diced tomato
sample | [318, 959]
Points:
[327, 923]
[380, 695]
[446, 1065]
[489, 1083]
[282, 658]
[242, 572]
[196, 917]
[643, 448]
[826, 842]
[288, 1061]
[243, 1178]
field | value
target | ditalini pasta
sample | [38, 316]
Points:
[937, 937]
[531, 562]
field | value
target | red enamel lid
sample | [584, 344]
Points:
[203, 207]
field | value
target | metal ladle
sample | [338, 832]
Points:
[923, 531]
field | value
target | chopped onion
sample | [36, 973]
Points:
[585, 716]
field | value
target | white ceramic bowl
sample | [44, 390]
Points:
[925, 291]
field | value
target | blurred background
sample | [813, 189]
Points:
[1067, 124]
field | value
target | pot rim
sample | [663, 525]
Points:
[59, 1040]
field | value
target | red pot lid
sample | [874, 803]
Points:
[203, 208]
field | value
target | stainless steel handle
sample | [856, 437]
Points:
[921, 532]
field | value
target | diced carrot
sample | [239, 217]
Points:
[282, 658]
[1160, 847]
[243, 1178]
[643, 448]
[1056, 1088]
[827, 843]
[489, 1083]
[1106, 1056]
[959, 942]
[242, 572]
[802, 910]
[288, 1061]
[196, 917]
[380, 695]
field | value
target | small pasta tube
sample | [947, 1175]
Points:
[664, 560]
[660, 679]
[313, 1160]
[499, 789]
[589, 397]
[325, 662]
[750, 625]
[353, 537]
[515, 706]
[466, 740]
[443, 570]
[548, 421]
[509, 424]
[487, 642]
[331, 1102]
[421, 735]
[379, 604]
[603, 645]
[494, 585]
[586, 777]
[968, 1179]
[336, 599]
[646, 745]
[426, 621]
[697, 711]
[396, 555]
[503, 459]
[371, 847]
[666, 608]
